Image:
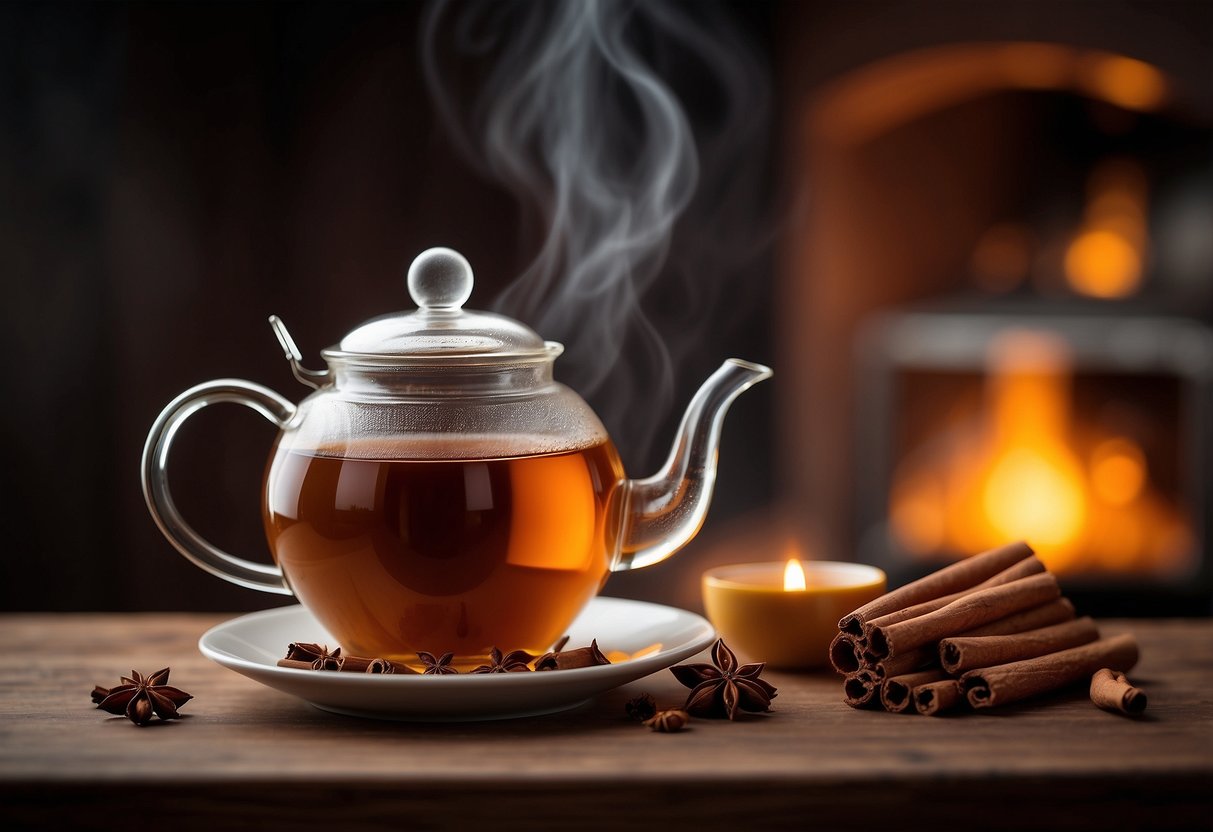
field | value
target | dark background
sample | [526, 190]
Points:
[170, 175]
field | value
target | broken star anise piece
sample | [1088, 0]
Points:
[436, 667]
[722, 688]
[139, 698]
[668, 722]
[516, 661]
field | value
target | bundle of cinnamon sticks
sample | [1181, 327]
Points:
[986, 631]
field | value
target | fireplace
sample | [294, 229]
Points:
[997, 302]
[1087, 434]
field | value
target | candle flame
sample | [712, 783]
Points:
[793, 576]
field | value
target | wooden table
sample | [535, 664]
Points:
[247, 757]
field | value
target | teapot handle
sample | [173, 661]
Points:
[247, 573]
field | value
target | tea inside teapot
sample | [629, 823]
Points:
[447, 544]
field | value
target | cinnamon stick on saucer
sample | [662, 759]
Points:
[965, 613]
[363, 664]
[1111, 691]
[1007, 683]
[960, 653]
[954, 578]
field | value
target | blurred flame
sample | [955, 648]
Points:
[1035, 493]
[793, 576]
[1020, 472]
[1032, 486]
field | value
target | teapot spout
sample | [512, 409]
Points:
[666, 510]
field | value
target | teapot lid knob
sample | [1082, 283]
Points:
[440, 279]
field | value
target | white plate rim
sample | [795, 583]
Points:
[603, 678]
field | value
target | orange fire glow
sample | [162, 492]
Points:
[1105, 258]
[1026, 467]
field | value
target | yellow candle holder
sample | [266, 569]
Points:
[786, 628]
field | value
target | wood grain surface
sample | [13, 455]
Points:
[246, 757]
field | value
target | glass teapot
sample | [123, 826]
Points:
[439, 491]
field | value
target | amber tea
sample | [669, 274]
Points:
[404, 549]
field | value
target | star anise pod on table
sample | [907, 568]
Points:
[138, 698]
[436, 667]
[723, 688]
[516, 661]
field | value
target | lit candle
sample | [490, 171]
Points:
[786, 613]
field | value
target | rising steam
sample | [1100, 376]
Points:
[576, 113]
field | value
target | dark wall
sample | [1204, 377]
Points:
[170, 175]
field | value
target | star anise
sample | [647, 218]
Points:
[722, 688]
[436, 667]
[138, 698]
[517, 661]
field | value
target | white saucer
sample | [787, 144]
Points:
[253, 643]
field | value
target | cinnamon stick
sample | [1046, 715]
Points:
[935, 698]
[387, 666]
[297, 664]
[305, 655]
[1007, 683]
[954, 578]
[960, 653]
[572, 659]
[920, 659]
[1111, 691]
[860, 688]
[895, 693]
[846, 653]
[1054, 612]
[965, 613]
[1030, 565]
[362, 664]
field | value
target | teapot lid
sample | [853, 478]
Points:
[440, 282]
